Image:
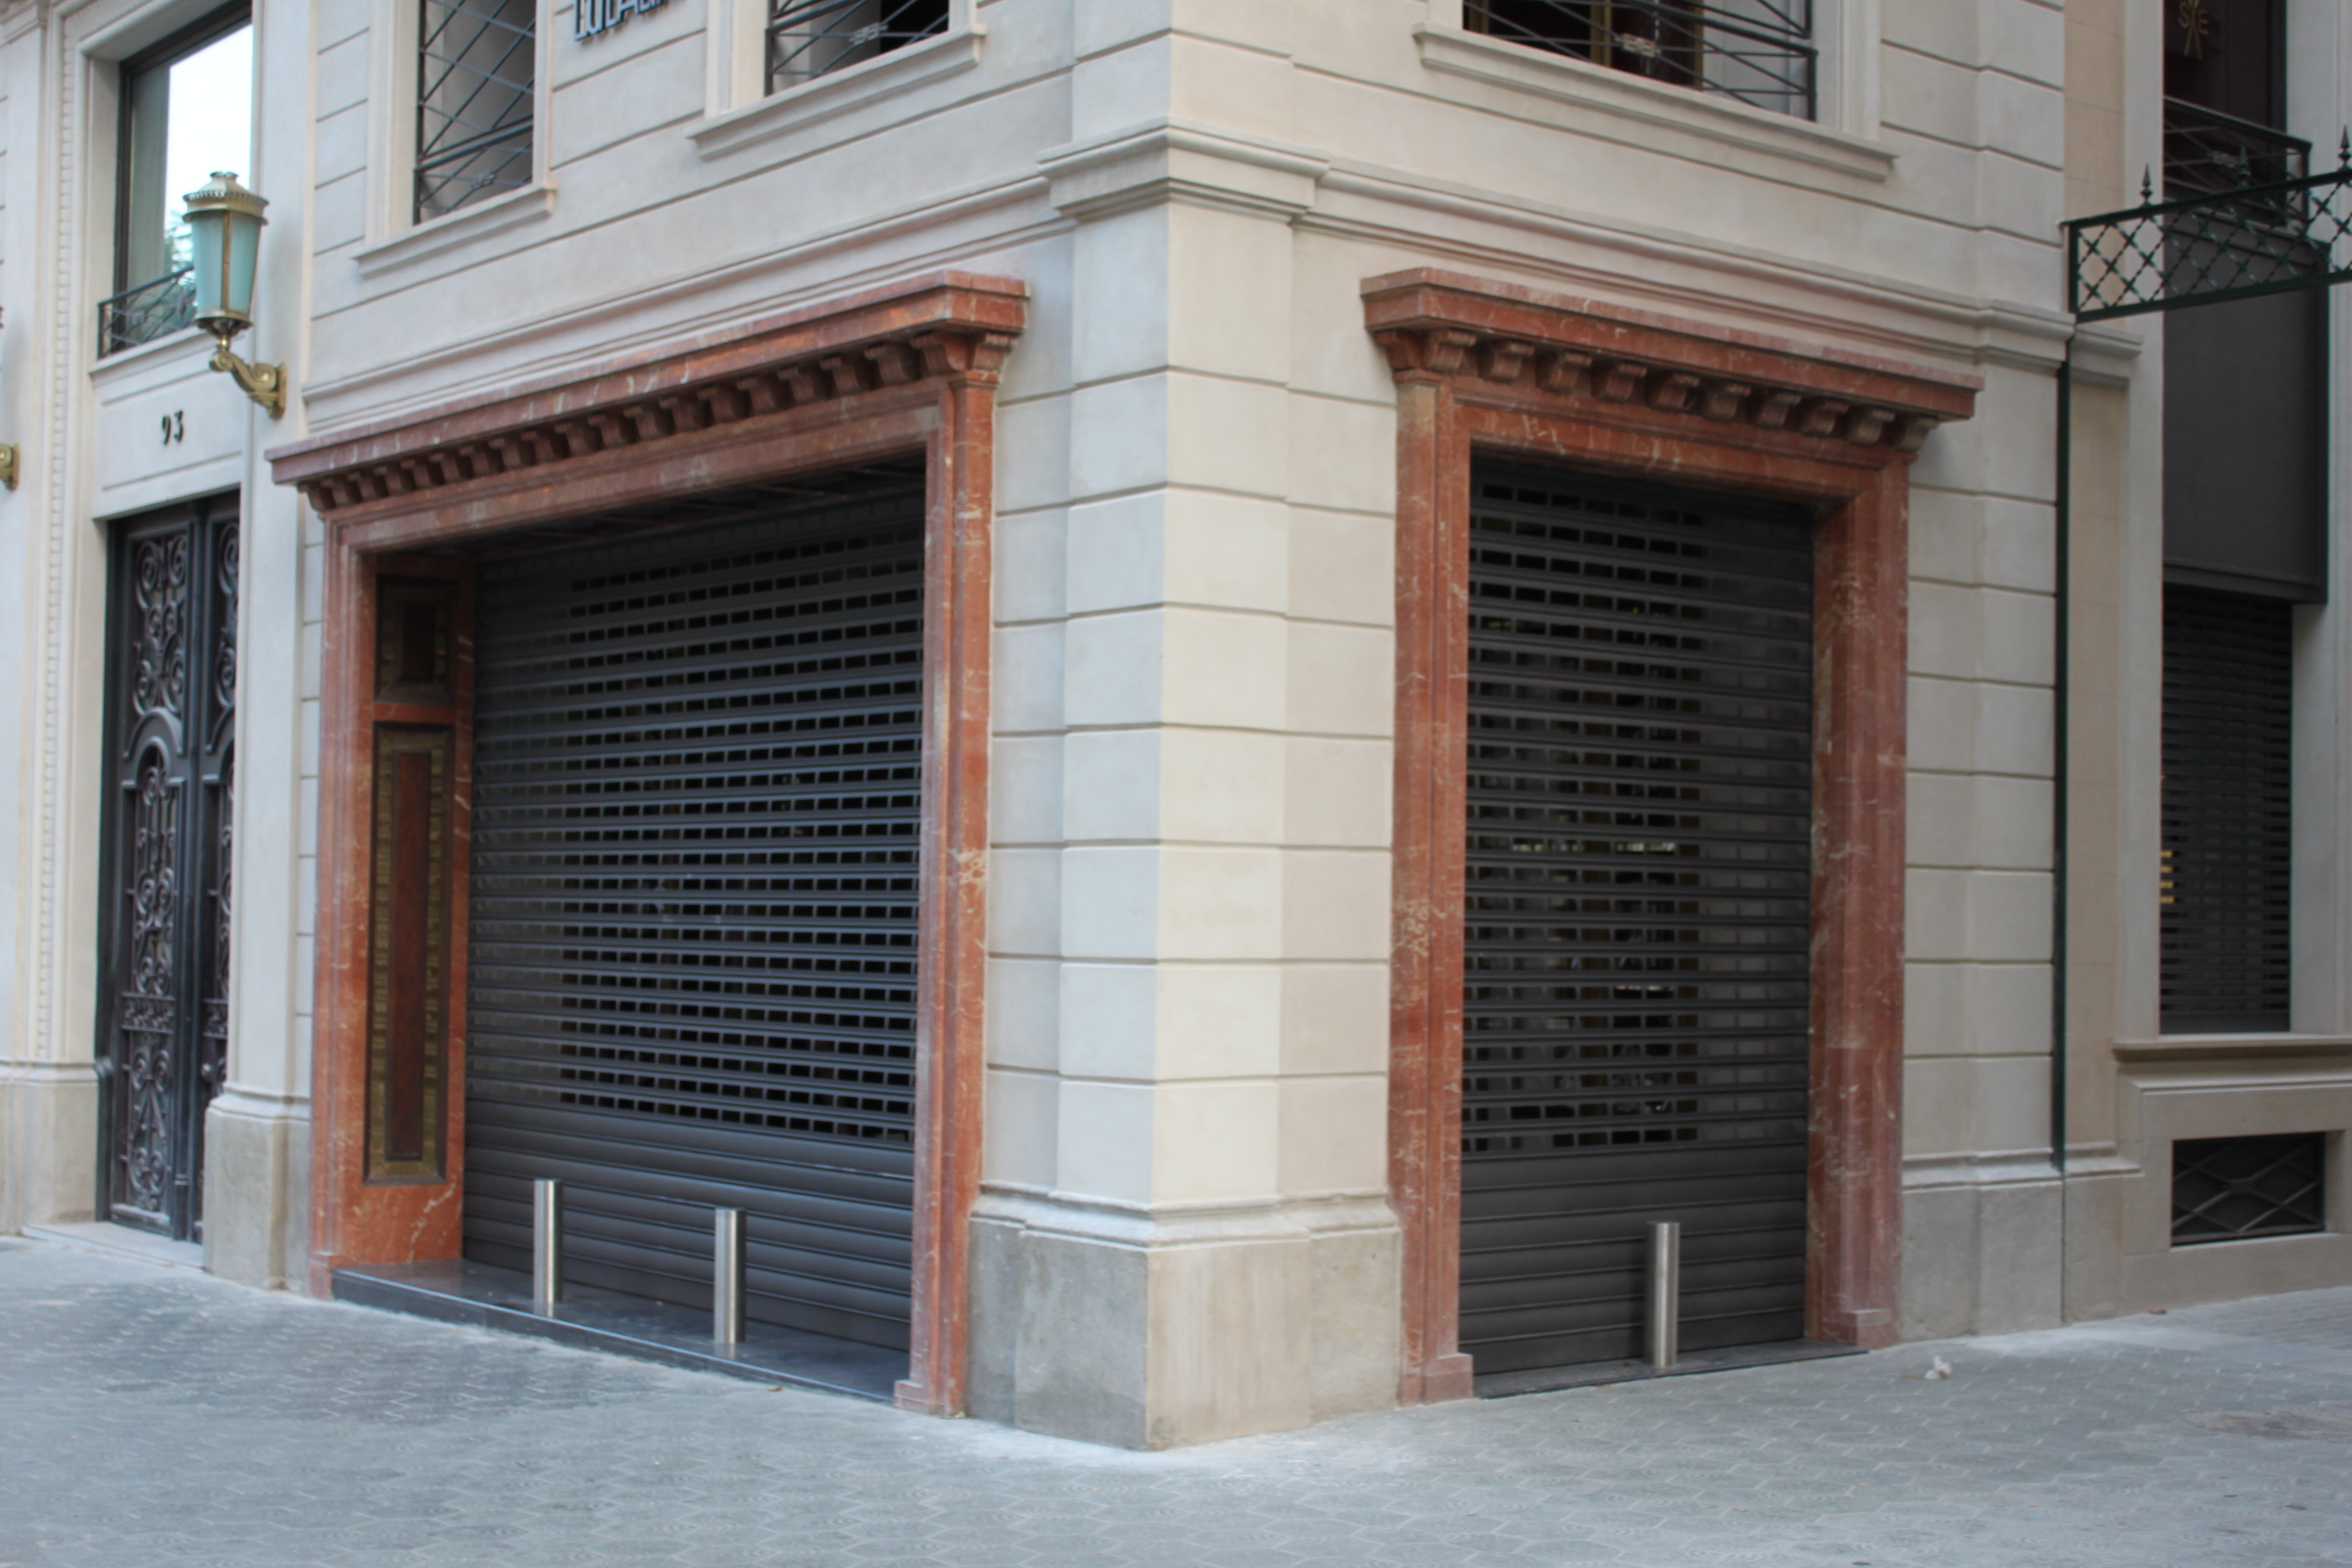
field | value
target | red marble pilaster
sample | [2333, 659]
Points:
[1491, 367]
[918, 375]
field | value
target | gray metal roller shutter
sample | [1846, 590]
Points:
[692, 984]
[1639, 878]
[2225, 922]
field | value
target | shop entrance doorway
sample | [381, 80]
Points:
[692, 932]
[1637, 938]
[163, 1012]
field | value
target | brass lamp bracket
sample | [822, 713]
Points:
[8, 466]
[265, 384]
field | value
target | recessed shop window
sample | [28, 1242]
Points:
[476, 83]
[812, 38]
[2237, 1189]
[1758, 51]
[187, 109]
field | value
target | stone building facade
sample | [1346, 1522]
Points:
[1195, 933]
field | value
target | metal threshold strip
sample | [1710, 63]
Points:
[607, 1320]
[1592, 1374]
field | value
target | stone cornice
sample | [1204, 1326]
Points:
[943, 326]
[1176, 161]
[1511, 340]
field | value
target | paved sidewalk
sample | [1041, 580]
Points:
[151, 1417]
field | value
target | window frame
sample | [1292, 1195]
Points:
[1840, 149]
[738, 58]
[160, 55]
[1604, 44]
[414, 64]
[392, 134]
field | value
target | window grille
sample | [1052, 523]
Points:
[2234, 1189]
[2227, 839]
[811, 38]
[1758, 51]
[475, 66]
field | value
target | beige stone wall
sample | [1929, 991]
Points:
[1185, 1232]
[2132, 1090]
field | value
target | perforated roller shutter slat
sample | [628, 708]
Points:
[697, 770]
[1635, 1009]
[2228, 812]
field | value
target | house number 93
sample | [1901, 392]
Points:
[175, 428]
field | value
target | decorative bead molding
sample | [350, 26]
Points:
[1483, 334]
[948, 326]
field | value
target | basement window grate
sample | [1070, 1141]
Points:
[2235, 1189]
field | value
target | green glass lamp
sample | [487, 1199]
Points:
[224, 225]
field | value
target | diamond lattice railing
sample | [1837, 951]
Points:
[2204, 249]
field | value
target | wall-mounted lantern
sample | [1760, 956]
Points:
[224, 222]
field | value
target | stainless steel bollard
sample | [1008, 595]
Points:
[1665, 1293]
[546, 1243]
[727, 1276]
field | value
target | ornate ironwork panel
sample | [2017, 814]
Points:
[1637, 949]
[171, 710]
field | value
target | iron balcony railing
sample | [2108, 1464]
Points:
[812, 38]
[150, 311]
[2206, 150]
[2214, 246]
[1758, 51]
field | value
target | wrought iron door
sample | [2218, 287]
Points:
[698, 762]
[163, 1023]
[1635, 1021]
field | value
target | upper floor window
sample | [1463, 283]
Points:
[476, 70]
[187, 109]
[809, 38]
[1758, 51]
[2225, 96]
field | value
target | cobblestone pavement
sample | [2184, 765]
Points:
[152, 1416]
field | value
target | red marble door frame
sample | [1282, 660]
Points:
[1486, 367]
[898, 371]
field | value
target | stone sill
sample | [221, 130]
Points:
[192, 344]
[2231, 1047]
[884, 76]
[1643, 106]
[515, 208]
